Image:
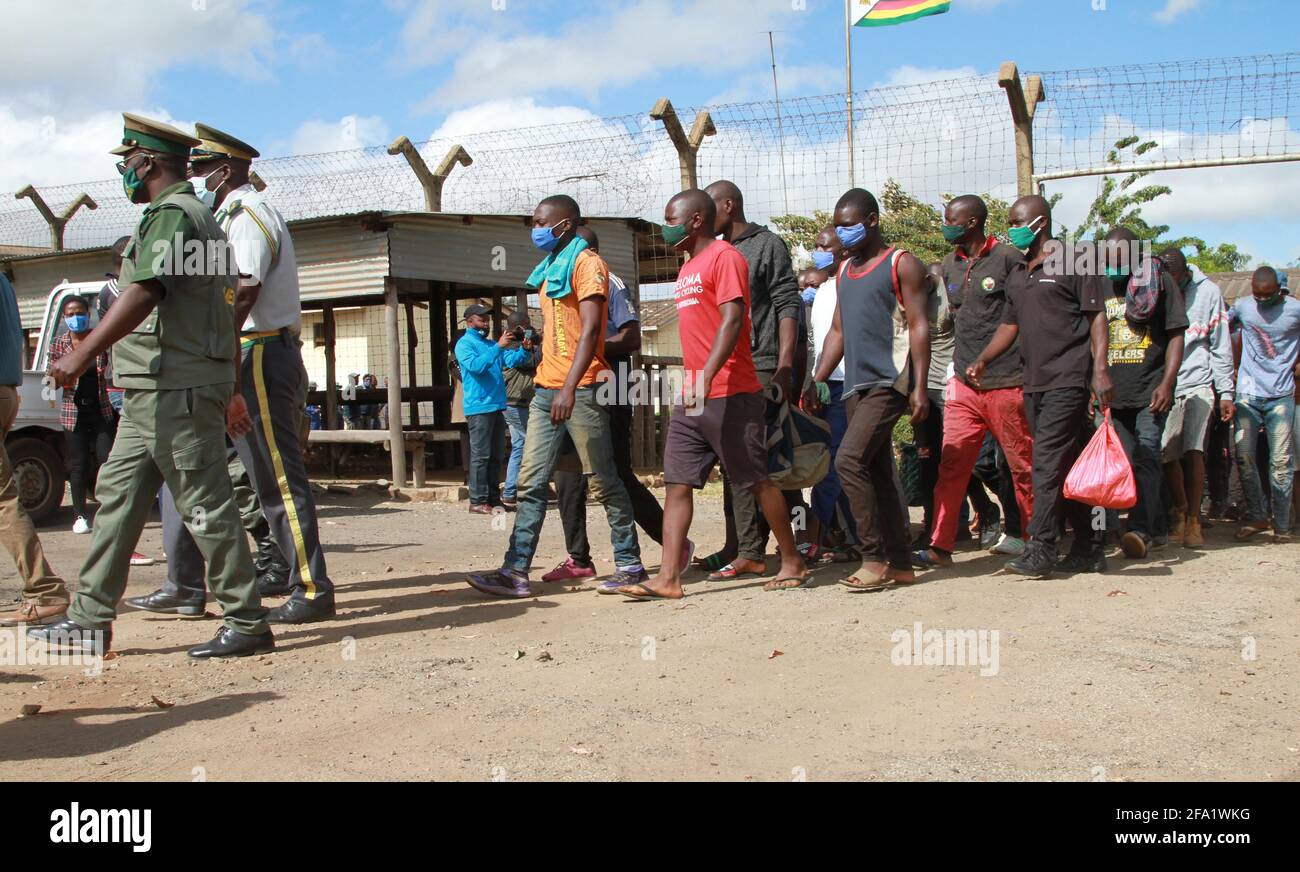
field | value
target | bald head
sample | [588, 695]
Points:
[1264, 285]
[589, 236]
[967, 207]
[560, 213]
[1175, 263]
[728, 204]
[695, 210]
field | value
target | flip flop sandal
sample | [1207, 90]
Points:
[1248, 532]
[645, 593]
[729, 573]
[876, 583]
[776, 583]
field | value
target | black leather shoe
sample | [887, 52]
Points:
[232, 643]
[301, 611]
[273, 584]
[66, 635]
[161, 602]
[1037, 561]
[1091, 561]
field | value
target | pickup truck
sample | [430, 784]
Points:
[36, 443]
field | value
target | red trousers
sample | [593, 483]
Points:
[967, 415]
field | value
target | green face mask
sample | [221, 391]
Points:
[1269, 302]
[1116, 272]
[133, 185]
[953, 232]
[674, 233]
[1022, 237]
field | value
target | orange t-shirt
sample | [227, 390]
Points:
[562, 325]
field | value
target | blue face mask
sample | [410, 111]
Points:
[77, 323]
[822, 259]
[545, 238]
[808, 295]
[851, 236]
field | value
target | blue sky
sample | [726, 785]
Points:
[284, 74]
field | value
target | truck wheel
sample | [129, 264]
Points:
[39, 475]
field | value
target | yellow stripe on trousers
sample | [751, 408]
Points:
[281, 480]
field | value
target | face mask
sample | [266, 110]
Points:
[851, 236]
[206, 197]
[77, 323]
[482, 331]
[808, 295]
[674, 234]
[133, 186]
[545, 238]
[1023, 237]
[1269, 302]
[822, 259]
[1114, 273]
[953, 232]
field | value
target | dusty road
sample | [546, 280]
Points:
[1144, 673]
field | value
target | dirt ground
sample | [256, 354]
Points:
[1183, 666]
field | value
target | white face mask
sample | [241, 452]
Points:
[206, 197]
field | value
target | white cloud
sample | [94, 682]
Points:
[910, 75]
[71, 55]
[1173, 9]
[349, 132]
[621, 43]
[506, 114]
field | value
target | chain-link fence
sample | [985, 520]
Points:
[935, 138]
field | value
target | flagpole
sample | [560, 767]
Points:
[848, 82]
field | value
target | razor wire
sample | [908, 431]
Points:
[933, 138]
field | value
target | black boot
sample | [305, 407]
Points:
[271, 568]
[67, 635]
[232, 643]
[161, 602]
[1037, 561]
[297, 610]
[1077, 562]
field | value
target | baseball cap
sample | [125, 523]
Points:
[477, 309]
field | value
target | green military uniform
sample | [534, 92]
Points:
[177, 369]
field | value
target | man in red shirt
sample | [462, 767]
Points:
[722, 415]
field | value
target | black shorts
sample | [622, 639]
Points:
[732, 430]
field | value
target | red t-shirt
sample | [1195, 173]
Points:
[720, 274]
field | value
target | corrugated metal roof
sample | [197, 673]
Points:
[1237, 284]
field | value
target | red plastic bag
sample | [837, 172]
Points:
[1102, 476]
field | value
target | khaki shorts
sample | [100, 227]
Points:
[1187, 423]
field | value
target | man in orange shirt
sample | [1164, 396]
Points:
[572, 284]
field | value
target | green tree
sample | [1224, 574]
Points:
[1120, 204]
[1226, 257]
[906, 222]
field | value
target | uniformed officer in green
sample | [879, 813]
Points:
[172, 331]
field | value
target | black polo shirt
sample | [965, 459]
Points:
[1052, 314]
[977, 287]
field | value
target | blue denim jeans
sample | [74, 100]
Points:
[1277, 417]
[829, 502]
[517, 421]
[485, 434]
[589, 429]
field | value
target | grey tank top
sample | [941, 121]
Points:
[875, 330]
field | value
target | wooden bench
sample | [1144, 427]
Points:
[414, 442]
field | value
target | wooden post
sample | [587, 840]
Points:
[396, 445]
[331, 379]
[687, 145]
[1024, 103]
[431, 182]
[412, 340]
[57, 222]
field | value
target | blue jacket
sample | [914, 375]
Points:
[11, 336]
[481, 363]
